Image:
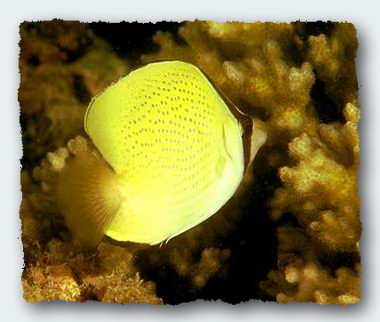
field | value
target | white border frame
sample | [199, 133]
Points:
[364, 14]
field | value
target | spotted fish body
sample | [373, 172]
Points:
[174, 146]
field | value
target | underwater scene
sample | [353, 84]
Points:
[170, 162]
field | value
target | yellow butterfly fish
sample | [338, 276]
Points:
[172, 151]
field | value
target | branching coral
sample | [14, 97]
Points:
[301, 85]
[321, 190]
[209, 264]
[333, 59]
[310, 282]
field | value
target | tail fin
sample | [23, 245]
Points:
[89, 195]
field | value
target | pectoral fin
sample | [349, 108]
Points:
[89, 195]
